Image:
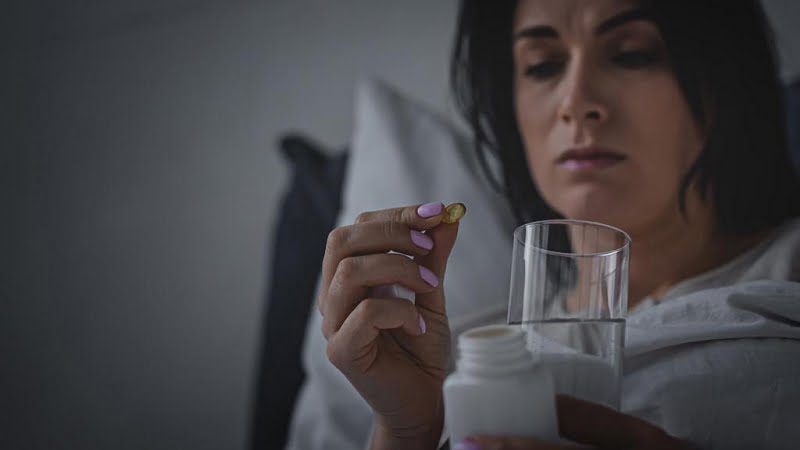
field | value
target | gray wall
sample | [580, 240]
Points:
[140, 181]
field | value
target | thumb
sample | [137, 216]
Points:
[444, 236]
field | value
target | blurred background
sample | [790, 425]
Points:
[140, 182]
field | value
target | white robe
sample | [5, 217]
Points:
[719, 367]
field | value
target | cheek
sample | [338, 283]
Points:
[659, 130]
[665, 132]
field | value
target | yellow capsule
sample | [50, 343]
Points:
[454, 212]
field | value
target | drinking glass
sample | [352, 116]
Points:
[569, 292]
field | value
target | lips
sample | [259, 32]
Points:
[590, 158]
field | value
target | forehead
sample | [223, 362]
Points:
[569, 17]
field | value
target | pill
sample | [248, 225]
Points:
[453, 213]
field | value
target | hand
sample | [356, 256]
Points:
[395, 353]
[585, 423]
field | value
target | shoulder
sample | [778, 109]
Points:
[777, 257]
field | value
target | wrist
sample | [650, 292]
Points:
[425, 435]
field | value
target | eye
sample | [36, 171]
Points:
[542, 70]
[637, 59]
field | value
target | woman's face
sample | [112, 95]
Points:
[607, 132]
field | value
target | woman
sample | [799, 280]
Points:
[663, 118]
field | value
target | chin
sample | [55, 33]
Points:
[595, 206]
[604, 217]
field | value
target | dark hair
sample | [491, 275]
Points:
[723, 56]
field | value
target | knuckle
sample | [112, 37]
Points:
[336, 239]
[401, 215]
[365, 216]
[334, 353]
[348, 267]
[338, 285]
[386, 230]
[406, 263]
[390, 229]
[321, 305]
[326, 330]
[409, 215]
[364, 309]
[367, 310]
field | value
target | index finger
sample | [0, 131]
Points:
[418, 217]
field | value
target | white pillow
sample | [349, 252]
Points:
[403, 154]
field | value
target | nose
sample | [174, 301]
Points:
[581, 102]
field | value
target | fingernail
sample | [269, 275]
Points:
[467, 444]
[428, 276]
[430, 210]
[422, 326]
[421, 240]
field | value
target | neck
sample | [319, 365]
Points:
[677, 250]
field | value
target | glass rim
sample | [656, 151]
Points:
[624, 246]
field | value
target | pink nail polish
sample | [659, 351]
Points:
[421, 240]
[422, 326]
[430, 210]
[428, 276]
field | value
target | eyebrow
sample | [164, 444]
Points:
[546, 31]
[623, 18]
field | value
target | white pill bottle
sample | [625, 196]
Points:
[497, 388]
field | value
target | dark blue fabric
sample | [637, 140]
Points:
[793, 123]
[308, 213]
